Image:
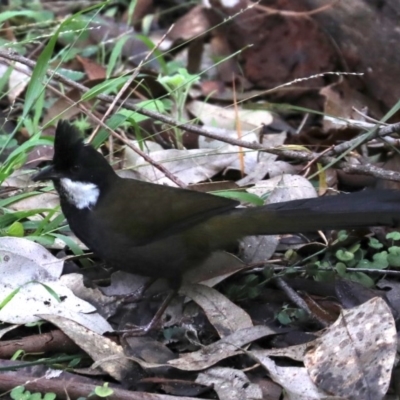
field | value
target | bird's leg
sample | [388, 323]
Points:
[137, 294]
[155, 321]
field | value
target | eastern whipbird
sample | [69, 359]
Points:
[161, 231]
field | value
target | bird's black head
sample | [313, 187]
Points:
[75, 160]
[78, 171]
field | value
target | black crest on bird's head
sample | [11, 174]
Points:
[68, 143]
[78, 161]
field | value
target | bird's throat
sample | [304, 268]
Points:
[79, 194]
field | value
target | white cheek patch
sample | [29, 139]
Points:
[80, 194]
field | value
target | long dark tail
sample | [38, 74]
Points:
[356, 210]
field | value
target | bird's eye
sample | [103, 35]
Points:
[75, 168]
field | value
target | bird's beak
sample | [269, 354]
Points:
[46, 174]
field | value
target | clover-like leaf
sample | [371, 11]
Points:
[362, 278]
[344, 255]
[103, 391]
[341, 269]
[394, 256]
[393, 235]
[375, 243]
[380, 260]
[342, 236]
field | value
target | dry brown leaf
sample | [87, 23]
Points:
[224, 348]
[284, 188]
[294, 352]
[190, 166]
[355, 356]
[190, 25]
[219, 266]
[18, 79]
[295, 381]
[225, 316]
[230, 384]
[92, 69]
[108, 355]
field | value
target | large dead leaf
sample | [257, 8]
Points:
[107, 354]
[225, 316]
[255, 249]
[224, 348]
[30, 285]
[230, 384]
[284, 188]
[355, 357]
[225, 118]
[295, 381]
[18, 79]
[190, 166]
[250, 122]
[219, 266]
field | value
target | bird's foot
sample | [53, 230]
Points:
[153, 324]
[139, 330]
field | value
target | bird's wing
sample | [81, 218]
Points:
[153, 211]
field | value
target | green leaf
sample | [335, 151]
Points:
[116, 54]
[250, 279]
[300, 314]
[35, 324]
[341, 269]
[324, 276]
[342, 236]
[13, 199]
[108, 86]
[71, 74]
[29, 144]
[45, 240]
[178, 80]
[75, 362]
[6, 142]
[38, 110]
[7, 219]
[253, 292]
[157, 54]
[380, 260]
[291, 270]
[243, 197]
[135, 117]
[16, 230]
[36, 85]
[375, 243]
[70, 243]
[103, 391]
[9, 297]
[284, 318]
[19, 353]
[394, 256]
[50, 290]
[35, 15]
[358, 256]
[361, 278]
[344, 255]
[268, 272]
[393, 235]
[354, 248]
[75, 28]
[48, 225]
[4, 79]
[365, 264]
[17, 392]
